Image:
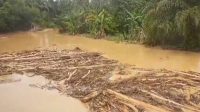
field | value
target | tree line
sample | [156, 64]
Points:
[174, 23]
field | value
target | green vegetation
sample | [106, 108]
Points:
[15, 14]
[174, 23]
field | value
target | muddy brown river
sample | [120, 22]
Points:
[19, 94]
[138, 55]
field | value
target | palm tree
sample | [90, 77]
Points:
[173, 22]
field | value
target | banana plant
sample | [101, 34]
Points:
[100, 23]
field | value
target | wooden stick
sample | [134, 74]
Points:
[86, 75]
[148, 107]
[130, 106]
[71, 74]
[90, 96]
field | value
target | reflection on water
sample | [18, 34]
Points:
[126, 53]
[17, 96]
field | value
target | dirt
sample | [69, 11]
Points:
[106, 85]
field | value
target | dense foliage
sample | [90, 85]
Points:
[15, 14]
[154, 22]
[174, 22]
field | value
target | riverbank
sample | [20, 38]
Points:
[107, 85]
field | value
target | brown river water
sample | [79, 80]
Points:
[133, 54]
[18, 96]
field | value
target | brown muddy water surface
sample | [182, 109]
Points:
[104, 85]
[19, 93]
[159, 90]
[126, 53]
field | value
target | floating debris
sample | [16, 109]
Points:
[106, 85]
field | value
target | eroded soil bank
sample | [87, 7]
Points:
[106, 85]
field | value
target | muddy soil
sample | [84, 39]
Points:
[106, 85]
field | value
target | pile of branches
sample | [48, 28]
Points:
[106, 85]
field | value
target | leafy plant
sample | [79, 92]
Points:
[100, 23]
